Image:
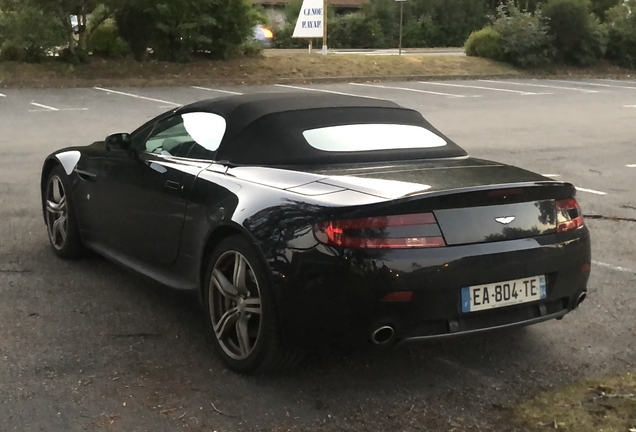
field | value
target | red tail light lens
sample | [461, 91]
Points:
[383, 232]
[568, 215]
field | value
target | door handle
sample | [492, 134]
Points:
[173, 185]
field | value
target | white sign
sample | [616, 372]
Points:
[310, 20]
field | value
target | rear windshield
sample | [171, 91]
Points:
[369, 137]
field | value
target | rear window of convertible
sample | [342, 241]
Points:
[369, 137]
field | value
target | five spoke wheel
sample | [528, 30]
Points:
[235, 305]
[56, 212]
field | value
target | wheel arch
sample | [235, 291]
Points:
[216, 236]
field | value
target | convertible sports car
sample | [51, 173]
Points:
[312, 221]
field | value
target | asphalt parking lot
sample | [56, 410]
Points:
[86, 345]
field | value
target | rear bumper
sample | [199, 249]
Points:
[332, 298]
[513, 323]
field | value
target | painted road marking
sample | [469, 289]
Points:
[44, 106]
[630, 106]
[551, 175]
[613, 267]
[136, 96]
[1, 95]
[595, 84]
[631, 166]
[216, 90]
[47, 108]
[541, 85]
[323, 91]
[616, 81]
[523, 93]
[592, 191]
[59, 110]
[450, 95]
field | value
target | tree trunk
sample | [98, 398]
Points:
[68, 26]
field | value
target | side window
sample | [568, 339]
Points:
[194, 135]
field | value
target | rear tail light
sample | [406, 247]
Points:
[568, 215]
[382, 232]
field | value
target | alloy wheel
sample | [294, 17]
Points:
[235, 305]
[56, 212]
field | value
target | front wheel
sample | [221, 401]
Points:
[59, 213]
[241, 311]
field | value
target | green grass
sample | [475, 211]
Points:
[298, 67]
[607, 405]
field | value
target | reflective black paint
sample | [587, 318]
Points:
[160, 216]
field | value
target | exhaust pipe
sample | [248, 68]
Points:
[382, 335]
[580, 299]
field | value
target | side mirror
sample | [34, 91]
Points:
[118, 141]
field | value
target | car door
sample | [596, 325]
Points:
[145, 190]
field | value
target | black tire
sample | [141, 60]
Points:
[261, 348]
[65, 239]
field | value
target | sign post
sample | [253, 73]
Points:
[401, 24]
[324, 28]
[312, 22]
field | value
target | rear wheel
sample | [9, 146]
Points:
[61, 222]
[241, 312]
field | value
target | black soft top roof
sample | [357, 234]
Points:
[266, 128]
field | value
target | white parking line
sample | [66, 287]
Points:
[592, 191]
[594, 84]
[58, 110]
[44, 106]
[616, 81]
[450, 95]
[482, 88]
[322, 91]
[630, 106]
[137, 96]
[541, 85]
[216, 90]
[551, 175]
[631, 166]
[613, 267]
[2, 95]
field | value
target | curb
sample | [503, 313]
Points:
[233, 82]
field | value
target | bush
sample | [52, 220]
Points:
[105, 42]
[578, 37]
[251, 49]
[487, 43]
[421, 32]
[525, 36]
[354, 30]
[175, 30]
[137, 28]
[283, 37]
[28, 34]
[621, 25]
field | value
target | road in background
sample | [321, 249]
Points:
[86, 345]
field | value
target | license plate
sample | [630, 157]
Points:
[500, 294]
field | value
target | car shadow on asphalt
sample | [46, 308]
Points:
[489, 351]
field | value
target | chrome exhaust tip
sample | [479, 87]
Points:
[580, 299]
[382, 335]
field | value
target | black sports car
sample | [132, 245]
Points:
[311, 221]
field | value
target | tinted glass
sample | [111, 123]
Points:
[192, 135]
